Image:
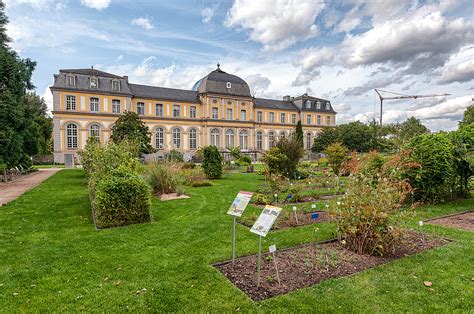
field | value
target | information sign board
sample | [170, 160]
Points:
[240, 203]
[266, 220]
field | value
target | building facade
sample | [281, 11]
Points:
[218, 110]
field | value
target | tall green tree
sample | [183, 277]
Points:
[325, 138]
[42, 128]
[130, 127]
[299, 133]
[356, 136]
[15, 122]
[468, 116]
[411, 128]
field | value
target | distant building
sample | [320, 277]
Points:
[218, 110]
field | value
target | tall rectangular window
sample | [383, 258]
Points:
[229, 114]
[115, 85]
[140, 108]
[293, 118]
[70, 102]
[116, 106]
[271, 117]
[259, 116]
[243, 115]
[215, 113]
[70, 80]
[159, 110]
[192, 112]
[176, 111]
[94, 82]
[94, 104]
[282, 117]
[319, 120]
[328, 120]
[308, 119]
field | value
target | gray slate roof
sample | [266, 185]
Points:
[145, 91]
[216, 83]
[274, 104]
[83, 81]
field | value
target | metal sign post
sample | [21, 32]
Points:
[296, 215]
[236, 210]
[272, 249]
[261, 227]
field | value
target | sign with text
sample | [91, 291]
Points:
[266, 220]
[240, 203]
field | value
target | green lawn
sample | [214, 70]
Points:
[52, 258]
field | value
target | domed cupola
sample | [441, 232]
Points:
[220, 82]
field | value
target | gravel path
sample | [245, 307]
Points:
[11, 190]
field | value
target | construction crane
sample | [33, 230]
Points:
[400, 96]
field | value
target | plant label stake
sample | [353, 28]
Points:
[420, 223]
[313, 206]
[261, 227]
[272, 249]
[236, 210]
[276, 197]
[296, 215]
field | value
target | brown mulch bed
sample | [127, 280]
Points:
[464, 221]
[309, 264]
[171, 196]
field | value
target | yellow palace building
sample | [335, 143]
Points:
[218, 110]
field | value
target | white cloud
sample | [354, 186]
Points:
[258, 84]
[276, 24]
[461, 72]
[342, 107]
[310, 60]
[351, 20]
[96, 4]
[208, 13]
[119, 58]
[143, 22]
[48, 98]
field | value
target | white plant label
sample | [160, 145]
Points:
[294, 208]
[313, 206]
[420, 223]
[272, 248]
[240, 203]
[266, 220]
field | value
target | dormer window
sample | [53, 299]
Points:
[94, 82]
[70, 80]
[116, 85]
[228, 85]
[308, 104]
[318, 105]
[328, 106]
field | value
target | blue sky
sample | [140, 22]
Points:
[339, 50]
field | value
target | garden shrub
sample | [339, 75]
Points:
[163, 177]
[244, 160]
[201, 183]
[284, 157]
[121, 198]
[432, 180]
[369, 215]
[261, 199]
[174, 155]
[337, 155]
[212, 162]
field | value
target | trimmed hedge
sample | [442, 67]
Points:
[121, 199]
[212, 163]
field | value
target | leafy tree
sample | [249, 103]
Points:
[411, 128]
[356, 136]
[16, 131]
[42, 128]
[299, 133]
[325, 138]
[130, 127]
[434, 153]
[337, 155]
[463, 170]
[468, 116]
[212, 162]
[284, 157]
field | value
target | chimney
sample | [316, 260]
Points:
[126, 78]
[287, 98]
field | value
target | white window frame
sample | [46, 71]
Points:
[259, 139]
[192, 112]
[116, 106]
[309, 119]
[215, 137]
[176, 111]
[92, 79]
[271, 139]
[229, 114]
[318, 105]
[319, 122]
[193, 138]
[176, 134]
[71, 103]
[70, 80]
[159, 110]
[215, 113]
[282, 134]
[116, 85]
[243, 115]
[159, 137]
[243, 139]
[141, 108]
[308, 104]
[259, 116]
[228, 85]
[293, 118]
[308, 141]
[94, 104]
[229, 139]
[328, 120]
[328, 106]
[271, 117]
[282, 117]
[95, 132]
[71, 136]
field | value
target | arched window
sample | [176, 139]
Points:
[192, 139]
[94, 131]
[229, 139]
[243, 139]
[318, 105]
[271, 139]
[259, 140]
[159, 138]
[176, 138]
[71, 136]
[328, 106]
[215, 137]
[282, 134]
[308, 140]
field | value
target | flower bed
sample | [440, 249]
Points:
[287, 219]
[309, 264]
[464, 221]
